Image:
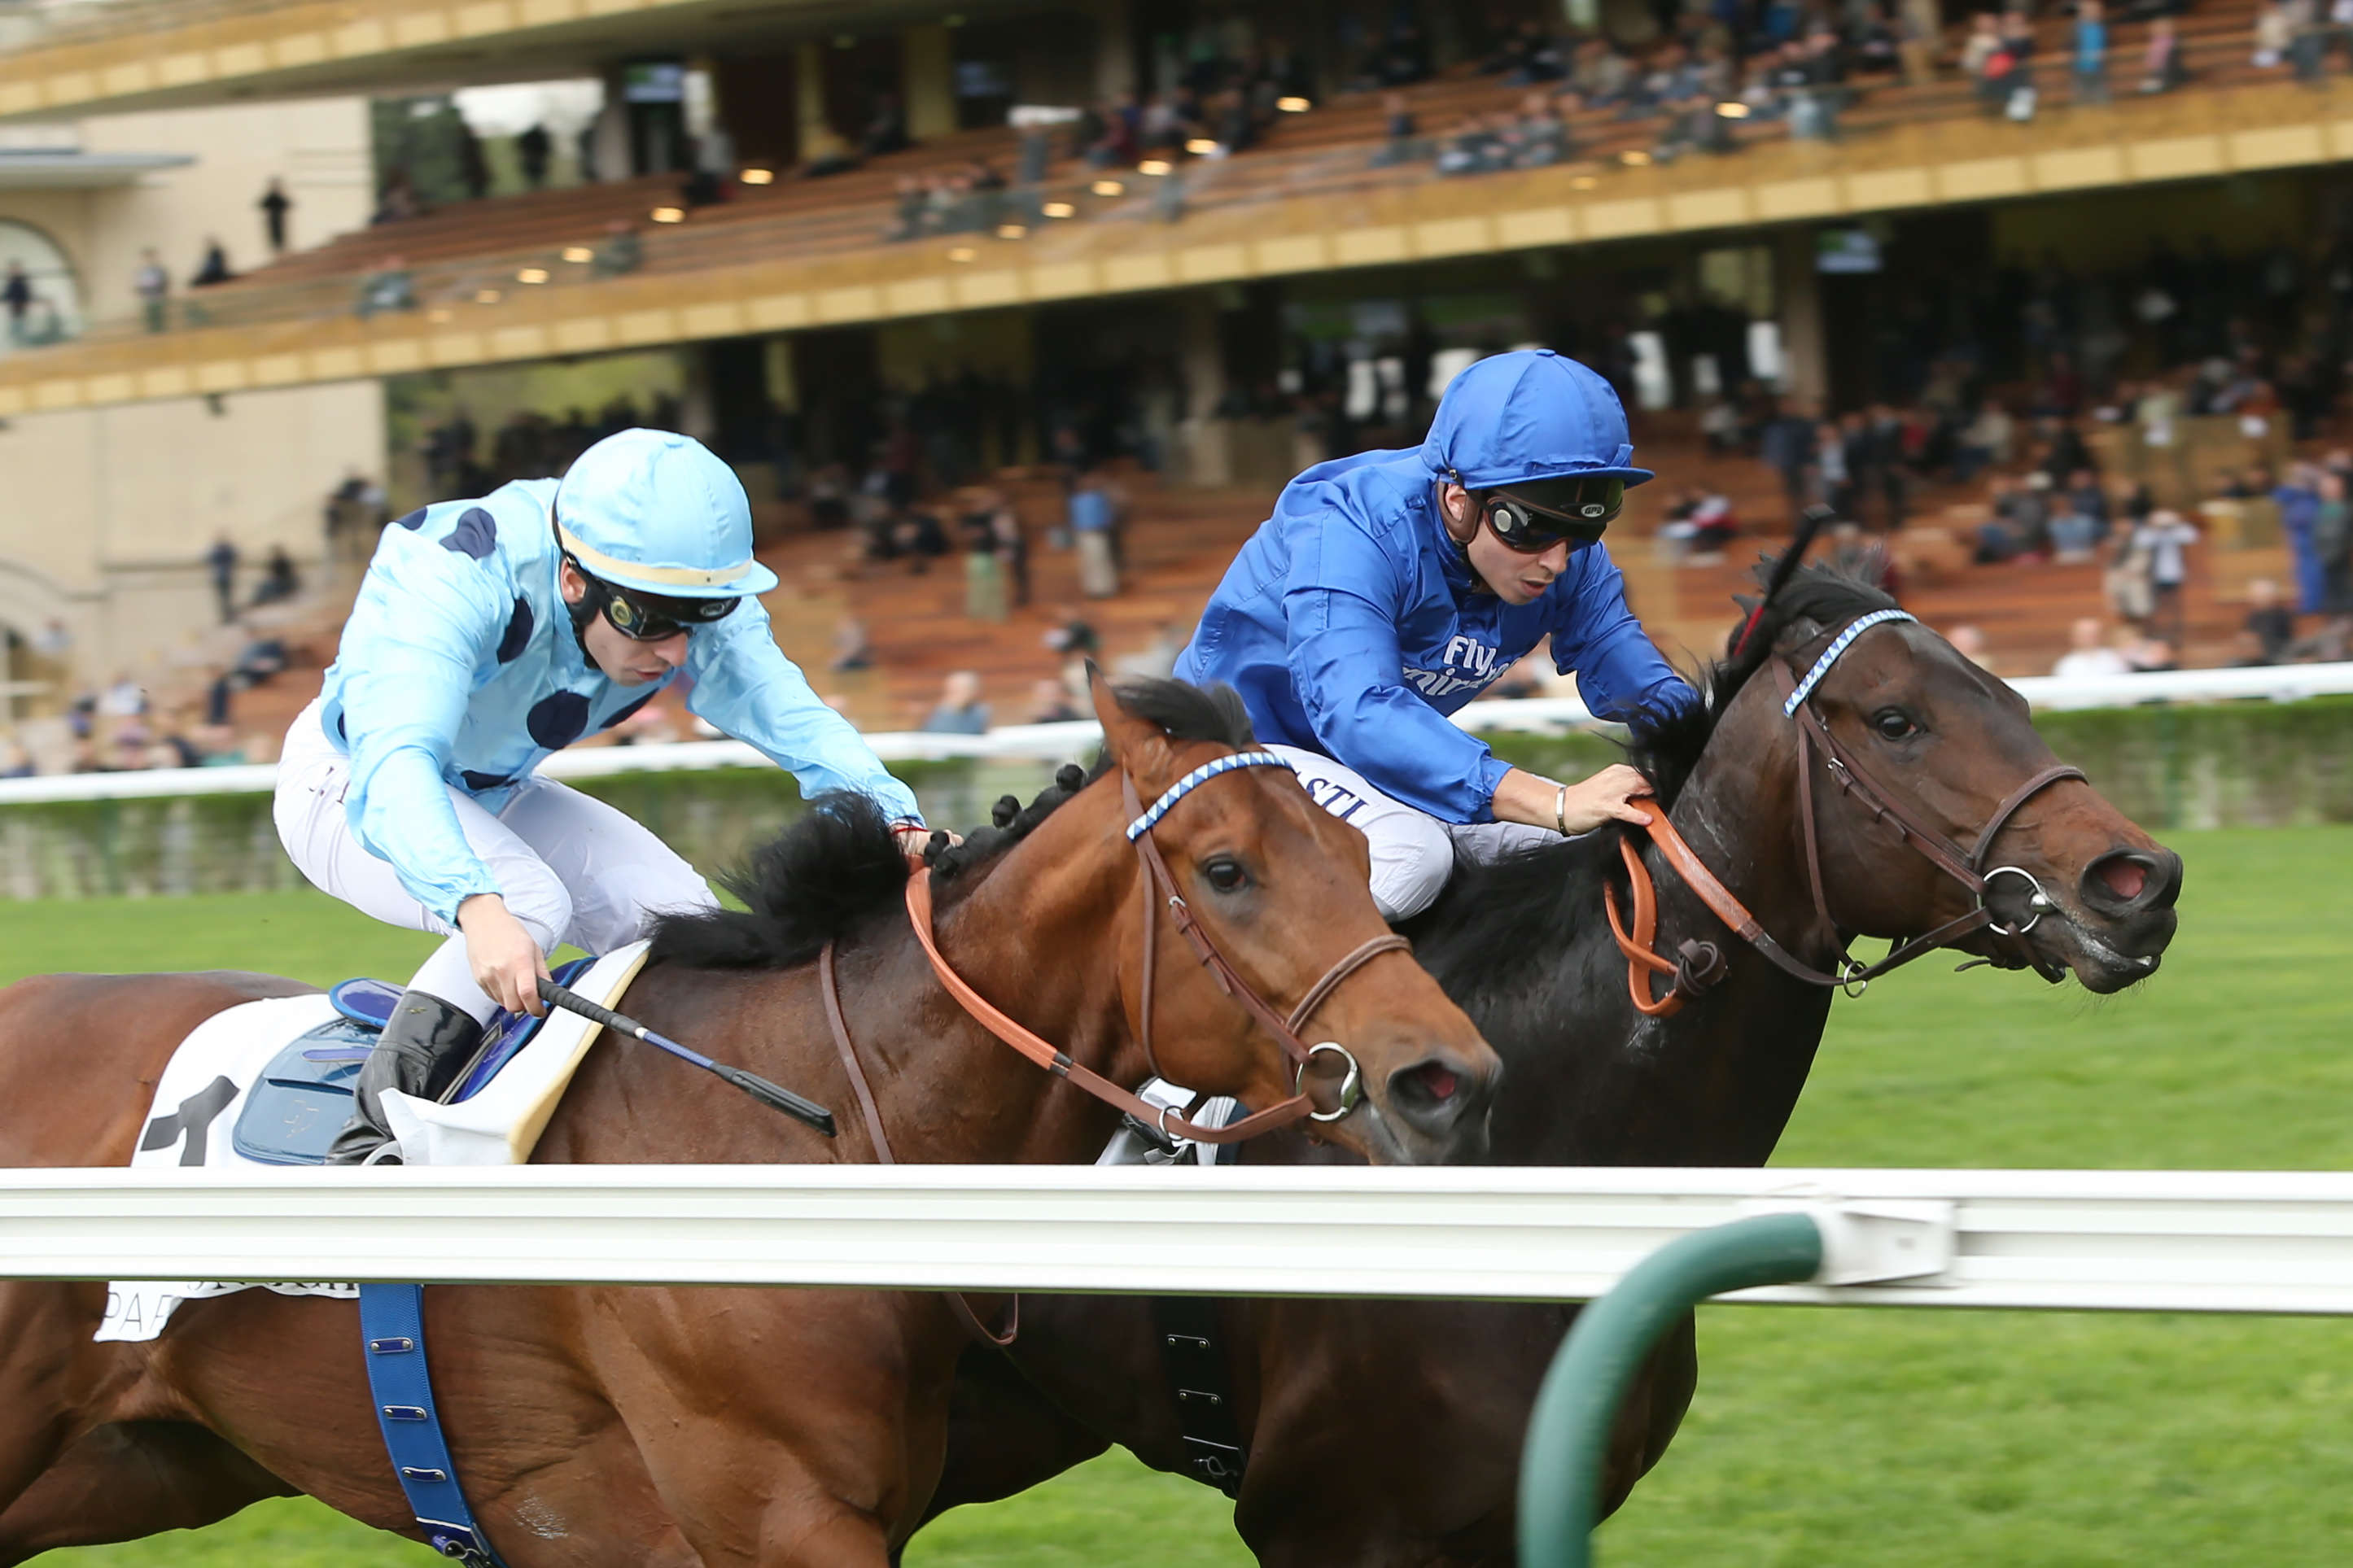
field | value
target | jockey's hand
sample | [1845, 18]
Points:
[914, 838]
[1603, 798]
[504, 954]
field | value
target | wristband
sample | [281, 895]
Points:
[1560, 809]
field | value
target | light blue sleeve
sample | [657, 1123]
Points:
[1341, 607]
[1619, 671]
[426, 619]
[746, 687]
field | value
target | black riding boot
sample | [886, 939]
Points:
[422, 1032]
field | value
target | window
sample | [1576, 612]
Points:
[53, 312]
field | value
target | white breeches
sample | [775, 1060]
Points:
[572, 868]
[1413, 852]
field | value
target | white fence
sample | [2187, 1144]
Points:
[1065, 743]
[2129, 1241]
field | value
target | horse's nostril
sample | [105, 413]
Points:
[2125, 878]
[1437, 1080]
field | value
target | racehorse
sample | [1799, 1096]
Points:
[1383, 1433]
[735, 1427]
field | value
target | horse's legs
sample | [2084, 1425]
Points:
[128, 1479]
[53, 1378]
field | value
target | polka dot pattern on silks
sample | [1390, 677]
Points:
[518, 632]
[557, 720]
[476, 534]
[413, 522]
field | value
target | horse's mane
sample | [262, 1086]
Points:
[841, 863]
[1477, 936]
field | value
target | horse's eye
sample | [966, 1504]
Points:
[1894, 724]
[1225, 874]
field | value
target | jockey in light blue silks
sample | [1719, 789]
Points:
[488, 634]
[1392, 587]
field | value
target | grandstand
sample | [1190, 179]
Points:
[1286, 295]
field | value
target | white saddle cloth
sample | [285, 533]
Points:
[205, 1086]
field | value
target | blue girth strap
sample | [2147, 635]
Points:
[392, 1325]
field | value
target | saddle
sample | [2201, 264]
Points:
[304, 1096]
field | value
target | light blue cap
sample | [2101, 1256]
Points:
[659, 513]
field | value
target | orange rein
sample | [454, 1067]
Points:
[1642, 959]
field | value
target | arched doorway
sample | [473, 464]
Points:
[54, 313]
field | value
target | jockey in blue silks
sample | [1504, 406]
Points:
[488, 634]
[1392, 587]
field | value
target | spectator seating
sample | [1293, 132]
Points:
[461, 250]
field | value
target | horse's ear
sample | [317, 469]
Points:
[1138, 745]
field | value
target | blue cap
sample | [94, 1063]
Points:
[659, 513]
[1529, 415]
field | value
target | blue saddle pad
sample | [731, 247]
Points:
[304, 1095]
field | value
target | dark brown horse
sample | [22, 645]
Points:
[1381, 1435]
[658, 1427]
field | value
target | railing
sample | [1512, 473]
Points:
[1650, 1243]
[1074, 742]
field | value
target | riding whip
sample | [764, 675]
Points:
[774, 1096]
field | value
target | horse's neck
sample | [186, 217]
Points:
[1037, 937]
[1717, 1082]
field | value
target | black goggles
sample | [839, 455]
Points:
[1533, 516]
[650, 617]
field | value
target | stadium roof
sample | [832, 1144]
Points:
[51, 169]
[155, 54]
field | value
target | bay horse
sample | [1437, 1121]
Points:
[1387, 1434]
[781, 1428]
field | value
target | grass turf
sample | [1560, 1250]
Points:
[1818, 1435]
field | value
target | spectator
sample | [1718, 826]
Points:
[388, 288]
[125, 699]
[2075, 537]
[851, 648]
[533, 149]
[1050, 704]
[2270, 624]
[221, 562]
[275, 203]
[155, 288]
[1091, 517]
[2298, 499]
[1834, 484]
[1404, 132]
[2274, 34]
[1970, 642]
[16, 293]
[622, 252]
[214, 268]
[1786, 444]
[279, 580]
[2165, 537]
[1985, 440]
[2161, 68]
[984, 577]
[960, 712]
[1156, 660]
[2089, 655]
[2332, 545]
[2091, 53]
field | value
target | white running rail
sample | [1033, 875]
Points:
[2124, 1241]
[1075, 741]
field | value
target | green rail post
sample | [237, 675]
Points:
[1568, 1434]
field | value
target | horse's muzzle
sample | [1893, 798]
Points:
[1444, 1104]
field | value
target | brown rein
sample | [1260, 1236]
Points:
[1701, 965]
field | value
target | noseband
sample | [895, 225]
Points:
[1700, 965]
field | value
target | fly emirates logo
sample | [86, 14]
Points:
[1468, 666]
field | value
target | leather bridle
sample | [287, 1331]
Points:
[1699, 965]
[1159, 889]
